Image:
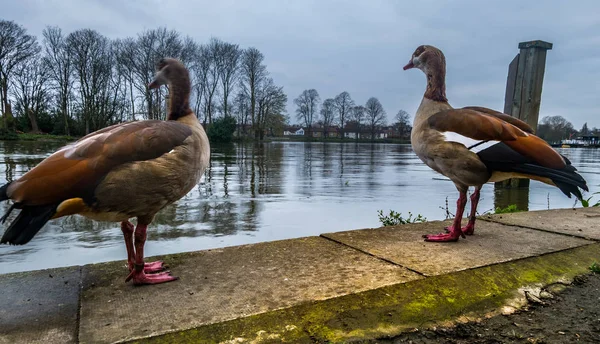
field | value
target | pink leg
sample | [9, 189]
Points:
[469, 229]
[138, 274]
[455, 231]
[154, 266]
[127, 229]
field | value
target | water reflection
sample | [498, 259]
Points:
[503, 197]
[269, 191]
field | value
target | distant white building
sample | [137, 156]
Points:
[350, 134]
[293, 132]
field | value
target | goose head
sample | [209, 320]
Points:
[432, 62]
[428, 59]
[167, 71]
[172, 72]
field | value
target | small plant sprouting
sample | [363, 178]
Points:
[595, 268]
[394, 218]
[586, 203]
[446, 210]
[512, 208]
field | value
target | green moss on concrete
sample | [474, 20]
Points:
[390, 310]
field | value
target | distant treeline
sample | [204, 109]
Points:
[556, 128]
[78, 82]
[344, 114]
[82, 81]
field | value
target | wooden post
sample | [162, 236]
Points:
[522, 100]
[524, 90]
[527, 95]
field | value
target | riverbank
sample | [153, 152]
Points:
[332, 139]
[336, 287]
[50, 137]
[293, 138]
[12, 136]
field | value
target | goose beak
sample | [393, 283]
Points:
[153, 84]
[409, 65]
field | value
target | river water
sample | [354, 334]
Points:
[263, 192]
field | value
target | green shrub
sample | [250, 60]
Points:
[588, 202]
[8, 134]
[394, 218]
[510, 209]
[222, 129]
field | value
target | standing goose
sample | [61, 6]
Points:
[127, 170]
[476, 145]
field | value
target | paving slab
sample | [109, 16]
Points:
[492, 243]
[224, 284]
[40, 306]
[388, 311]
[579, 222]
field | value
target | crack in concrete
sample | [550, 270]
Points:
[373, 255]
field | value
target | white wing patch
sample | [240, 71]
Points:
[473, 145]
[481, 147]
[451, 136]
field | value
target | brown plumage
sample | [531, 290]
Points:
[502, 116]
[473, 124]
[475, 145]
[126, 170]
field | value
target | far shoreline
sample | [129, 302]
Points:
[66, 138]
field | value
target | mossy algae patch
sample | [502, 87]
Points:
[389, 310]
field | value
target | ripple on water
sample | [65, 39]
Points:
[279, 190]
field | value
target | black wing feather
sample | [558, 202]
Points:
[500, 157]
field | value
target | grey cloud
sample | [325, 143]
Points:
[361, 46]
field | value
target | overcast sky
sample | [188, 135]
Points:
[361, 46]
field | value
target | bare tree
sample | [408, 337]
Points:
[307, 104]
[327, 115]
[402, 125]
[241, 104]
[188, 52]
[149, 47]
[125, 53]
[343, 105]
[198, 70]
[30, 91]
[92, 64]
[276, 122]
[113, 98]
[358, 116]
[86, 81]
[210, 55]
[58, 63]
[375, 115]
[228, 67]
[16, 47]
[555, 128]
[253, 72]
[271, 102]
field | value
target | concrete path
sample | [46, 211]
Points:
[337, 287]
